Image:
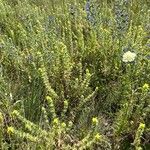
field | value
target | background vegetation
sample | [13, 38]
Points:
[63, 82]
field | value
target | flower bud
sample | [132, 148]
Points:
[55, 121]
[10, 130]
[63, 125]
[95, 120]
[145, 87]
[97, 136]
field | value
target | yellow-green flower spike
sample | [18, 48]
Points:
[63, 125]
[142, 125]
[56, 121]
[145, 87]
[95, 120]
[129, 57]
[65, 102]
[97, 136]
[15, 112]
[10, 130]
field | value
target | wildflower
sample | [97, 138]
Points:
[15, 113]
[63, 125]
[129, 56]
[55, 121]
[97, 136]
[48, 97]
[28, 127]
[10, 130]
[31, 138]
[43, 109]
[40, 70]
[39, 53]
[142, 126]
[66, 103]
[95, 120]
[145, 87]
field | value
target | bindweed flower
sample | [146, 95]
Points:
[128, 56]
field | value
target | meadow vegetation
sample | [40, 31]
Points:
[74, 74]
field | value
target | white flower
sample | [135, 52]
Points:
[128, 56]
